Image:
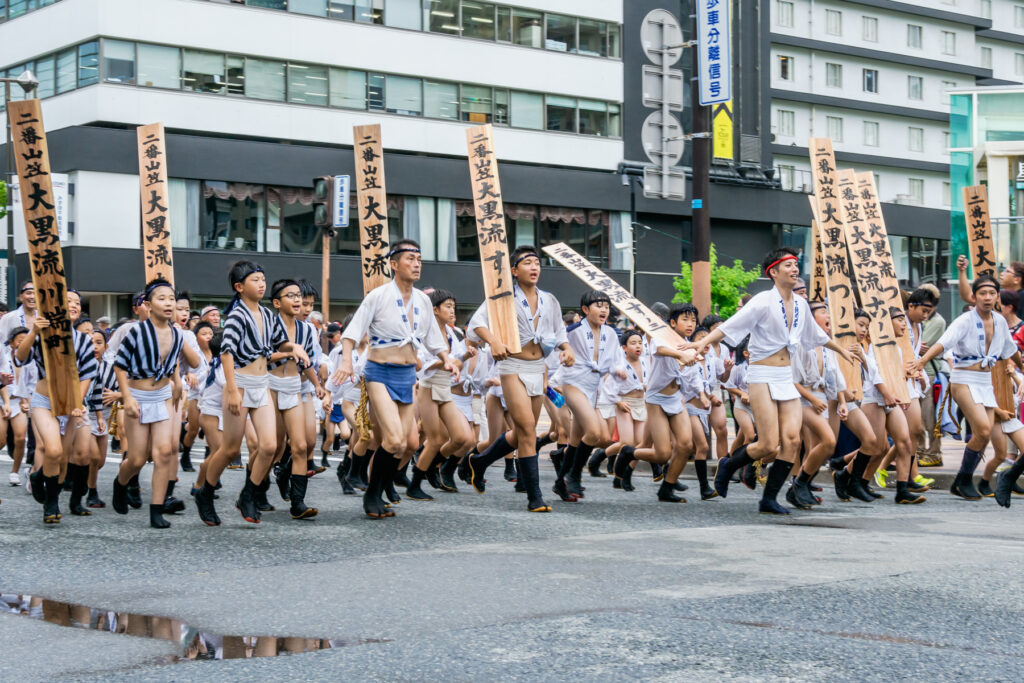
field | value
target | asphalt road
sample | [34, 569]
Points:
[473, 587]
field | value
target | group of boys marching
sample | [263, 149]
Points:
[405, 386]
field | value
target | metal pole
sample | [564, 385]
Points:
[632, 234]
[700, 258]
[325, 267]
[12, 282]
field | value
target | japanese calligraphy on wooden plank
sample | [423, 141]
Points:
[816, 286]
[490, 231]
[156, 219]
[866, 253]
[44, 253]
[879, 236]
[979, 231]
[372, 203]
[630, 306]
[838, 285]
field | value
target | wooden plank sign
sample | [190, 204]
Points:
[372, 202]
[630, 306]
[866, 250]
[982, 247]
[44, 253]
[979, 231]
[833, 246]
[490, 231]
[156, 220]
[817, 283]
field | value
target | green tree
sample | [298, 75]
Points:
[727, 284]
[3, 199]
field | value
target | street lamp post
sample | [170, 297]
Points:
[28, 83]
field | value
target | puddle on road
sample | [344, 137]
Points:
[193, 644]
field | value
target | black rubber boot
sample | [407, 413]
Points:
[94, 501]
[323, 459]
[802, 491]
[905, 497]
[529, 471]
[623, 469]
[510, 470]
[727, 467]
[667, 493]
[383, 467]
[1006, 480]
[246, 502]
[657, 472]
[447, 473]
[205, 506]
[51, 500]
[172, 505]
[561, 486]
[37, 486]
[520, 486]
[463, 468]
[985, 489]
[342, 473]
[401, 478]
[777, 475]
[609, 466]
[543, 441]
[186, 459]
[357, 471]
[478, 464]
[282, 474]
[574, 477]
[119, 497]
[434, 472]
[706, 492]
[391, 493]
[156, 517]
[594, 464]
[134, 493]
[748, 476]
[414, 490]
[260, 495]
[857, 485]
[299, 509]
[79, 476]
[841, 479]
[963, 484]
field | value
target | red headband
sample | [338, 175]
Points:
[775, 263]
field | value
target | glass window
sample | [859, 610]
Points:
[985, 9]
[501, 107]
[614, 41]
[871, 134]
[787, 176]
[945, 140]
[403, 95]
[527, 28]
[235, 74]
[914, 36]
[947, 194]
[477, 104]
[561, 113]
[833, 22]
[440, 100]
[1018, 63]
[317, 8]
[307, 84]
[203, 71]
[870, 80]
[915, 139]
[785, 68]
[17, 8]
[442, 16]
[88, 63]
[268, 4]
[232, 216]
[159, 66]
[870, 29]
[527, 110]
[561, 33]
[986, 57]
[375, 91]
[833, 75]
[784, 13]
[614, 121]
[348, 88]
[46, 76]
[505, 24]
[264, 79]
[593, 38]
[915, 186]
[341, 9]
[66, 70]
[787, 123]
[477, 20]
[403, 14]
[119, 61]
[835, 128]
[1018, 15]
[915, 87]
[948, 43]
[593, 118]
[370, 11]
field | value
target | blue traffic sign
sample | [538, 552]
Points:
[339, 201]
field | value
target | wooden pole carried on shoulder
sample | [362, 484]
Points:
[46, 259]
[372, 203]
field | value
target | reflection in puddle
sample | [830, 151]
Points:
[193, 643]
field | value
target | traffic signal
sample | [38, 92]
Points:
[323, 193]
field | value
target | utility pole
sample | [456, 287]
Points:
[700, 258]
